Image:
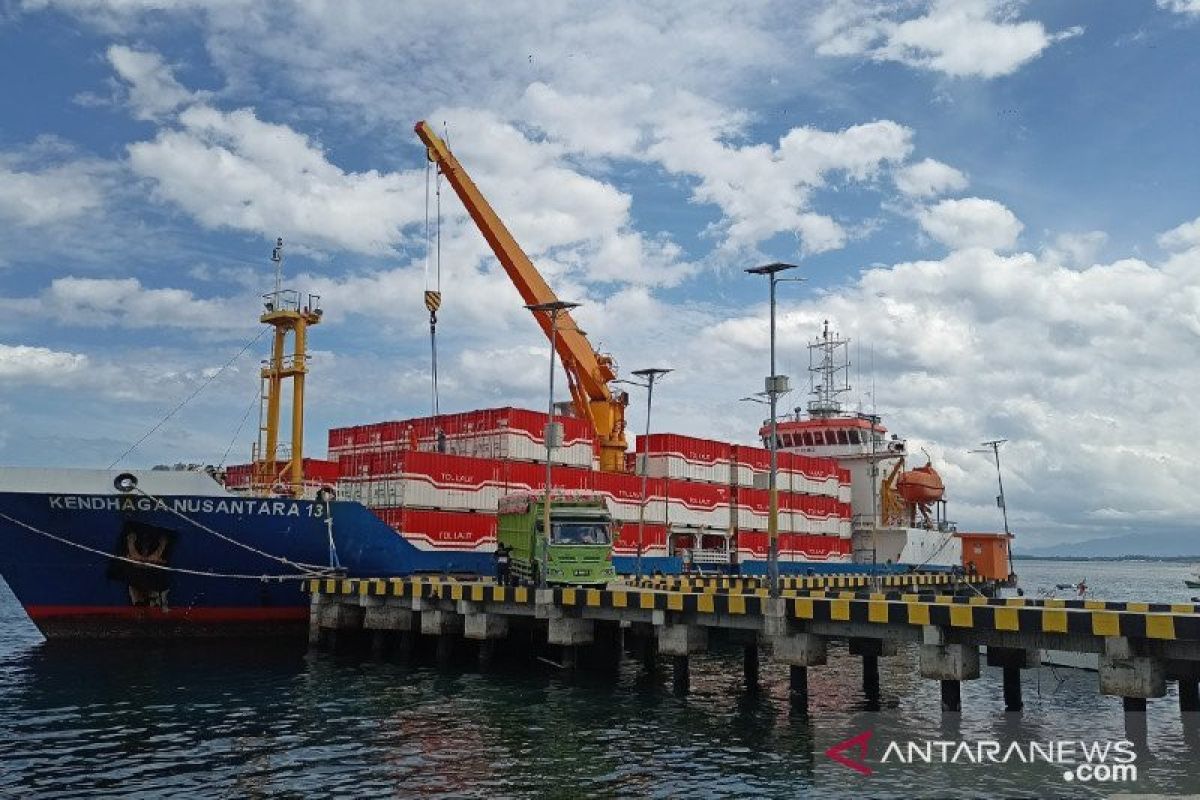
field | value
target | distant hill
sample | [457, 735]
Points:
[1179, 543]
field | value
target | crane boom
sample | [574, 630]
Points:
[588, 372]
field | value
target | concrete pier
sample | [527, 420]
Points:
[1140, 645]
[1126, 673]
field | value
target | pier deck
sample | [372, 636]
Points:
[1141, 646]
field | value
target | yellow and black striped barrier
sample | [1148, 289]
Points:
[1136, 620]
[732, 583]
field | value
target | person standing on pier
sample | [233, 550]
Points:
[503, 557]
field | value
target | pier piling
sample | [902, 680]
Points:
[870, 679]
[649, 654]
[750, 664]
[951, 696]
[487, 654]
[870, 650]
[445, 650]
[1011, 661]
[1012, 689]
[1189, 695]
[680, 676]
[798, 686]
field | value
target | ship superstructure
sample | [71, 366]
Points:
[898, 515]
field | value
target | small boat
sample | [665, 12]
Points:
[1192, 582]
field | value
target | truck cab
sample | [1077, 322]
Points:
[578, 551]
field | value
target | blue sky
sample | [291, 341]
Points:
[997, 201]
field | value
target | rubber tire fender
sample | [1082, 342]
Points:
[125, 483]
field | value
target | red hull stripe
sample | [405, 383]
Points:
[225, 614]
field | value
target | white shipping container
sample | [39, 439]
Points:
[625, 511]
[697, 517]
[512, 446]
[673, 466]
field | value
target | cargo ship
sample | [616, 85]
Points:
[221, 551]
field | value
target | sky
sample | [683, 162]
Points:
[998, 203]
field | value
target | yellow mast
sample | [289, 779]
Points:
[287, 311]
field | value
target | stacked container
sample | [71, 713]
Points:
[510, 434]
[438, 482]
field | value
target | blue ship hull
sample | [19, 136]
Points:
[213, 582]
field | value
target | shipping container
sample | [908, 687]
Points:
[624, 494]
[698, 504]
[428, 529]
[654, 540]
[498, 433]
[671, 455]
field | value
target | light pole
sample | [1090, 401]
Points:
[553, 432]
[994, 446]
[775, 386]
[649, 374]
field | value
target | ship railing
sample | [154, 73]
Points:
[699, 556]
[292, 300]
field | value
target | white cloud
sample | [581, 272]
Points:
[1181, 6]
[22, 364]
[233, 170]
[1183, 237]
[126, 303]
[929, 178]
[47, 195]
[153, 90]
[763, 190]
[1075, 249]
[971, 222]
[960, 38]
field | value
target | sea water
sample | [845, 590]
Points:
[258, 720]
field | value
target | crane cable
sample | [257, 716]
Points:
[433, 297]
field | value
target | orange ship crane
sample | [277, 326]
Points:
[588, 373]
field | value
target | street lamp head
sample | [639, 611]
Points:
[771, 269]
[553, 306]
[651, 372]
[753, 399]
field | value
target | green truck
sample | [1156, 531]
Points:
[578, 551]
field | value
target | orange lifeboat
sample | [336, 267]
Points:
[921, 486]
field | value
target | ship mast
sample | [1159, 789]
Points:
[828, 373]
[281, 469]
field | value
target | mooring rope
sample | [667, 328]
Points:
[304, 567]
[151, 565]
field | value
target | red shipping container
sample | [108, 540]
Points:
[704, 496]
[698, 451]
[442, 530]
[654, 540]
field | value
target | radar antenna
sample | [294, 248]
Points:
[828, 373]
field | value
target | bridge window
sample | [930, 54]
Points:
[818, 438]
[808, 439]
[854, 438]
[842, 439]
